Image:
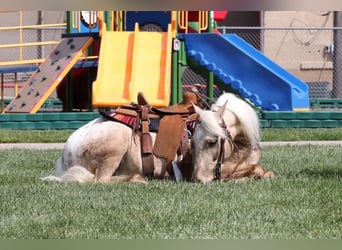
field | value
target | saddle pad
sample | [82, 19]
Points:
[168, 137]
[129, 120]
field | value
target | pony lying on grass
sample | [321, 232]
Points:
[225, 144]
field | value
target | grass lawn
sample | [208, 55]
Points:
[302, 202]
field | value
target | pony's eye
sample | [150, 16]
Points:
[211, 143]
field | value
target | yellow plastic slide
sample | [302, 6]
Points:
[132, 62]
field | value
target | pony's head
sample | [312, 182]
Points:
[229, 121]
[207, 144]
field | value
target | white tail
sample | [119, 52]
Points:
[73, 174]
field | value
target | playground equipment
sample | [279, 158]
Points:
[49, 74]
[130, 61]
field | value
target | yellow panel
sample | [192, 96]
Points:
[152, 67]
[130, 63]
[111, 87]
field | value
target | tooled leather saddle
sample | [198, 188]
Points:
[173, 125]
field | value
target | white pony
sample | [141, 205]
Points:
[109, 151]
[226, 143]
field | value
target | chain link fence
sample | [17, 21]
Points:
[308, 53]
[21, 31]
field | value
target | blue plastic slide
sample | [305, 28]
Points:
[248, 71]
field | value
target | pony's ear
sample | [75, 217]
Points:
[220, 111]
[197, 109]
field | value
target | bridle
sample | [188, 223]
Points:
[220, 159]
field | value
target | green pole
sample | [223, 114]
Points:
[174, 87]
[180, 61]
[210, 85]
[107, 17]
[176, 79]
[69, 21]
[210, 22]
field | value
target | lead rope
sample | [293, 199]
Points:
[203, 98]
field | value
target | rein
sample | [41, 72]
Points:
[203, 98]
[217, 169]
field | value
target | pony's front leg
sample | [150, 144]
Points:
[253, 159]
[234, 170]
[242, 170]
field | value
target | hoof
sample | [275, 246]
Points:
[137, 179]
[268, 174]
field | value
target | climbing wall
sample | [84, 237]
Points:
[49, 74]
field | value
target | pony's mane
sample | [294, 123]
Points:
[211, 123]
[245, 113]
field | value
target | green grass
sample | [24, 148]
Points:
[302, 202]
[269, 134]
[33, 136]
[301, 134]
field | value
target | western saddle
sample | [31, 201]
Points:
[173, 125]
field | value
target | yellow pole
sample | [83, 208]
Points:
[15, 45]
[15, 84]
[174, 23]
[102, 24]
[48, 25]
[183, 20]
